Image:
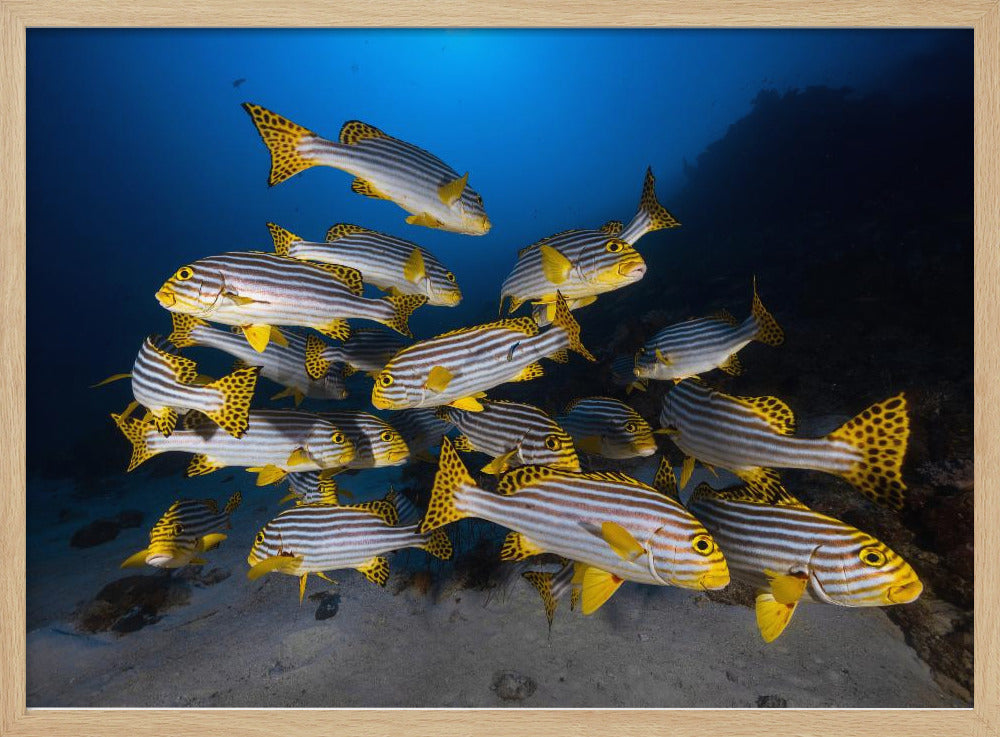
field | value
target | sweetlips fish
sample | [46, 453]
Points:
[608, 427]
[385, 168]
[312, 488]
[376, 442]
[368, 350]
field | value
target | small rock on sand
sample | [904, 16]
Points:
[511, 686]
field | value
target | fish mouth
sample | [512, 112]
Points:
[166, 297]
[633, 270]
[485, 225]
[381, 403]
[644, 448]
[715, 579]
[397, 456]
[162, 560]
[448, 299]
[904, 593]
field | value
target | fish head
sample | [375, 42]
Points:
[553, 448]
[332, 384]
[267, 543]
[388, 447]
[389, 392]
[638, 436]
[443, 291]
[864, 572]
[328, 446]
[612, 262]
[692, 559]
[469, 212]
[169, 546]
[193, 289]
[644, 366]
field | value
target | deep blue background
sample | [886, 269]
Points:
[140, 158]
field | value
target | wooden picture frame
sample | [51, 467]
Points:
[981, 15]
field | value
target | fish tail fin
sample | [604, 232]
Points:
[651, 215]
[439, 545]
[564, 319]
[236, 391]
[451, 477]
[542, 581]
[233, 504]
[283, 139]
[879, 434]
[403, 306]
[768, 330]
[283, 239]
[183, 325]
[137, 433]
[317, 364]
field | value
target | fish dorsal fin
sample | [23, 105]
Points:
[519, 324]
[185, 370]
[451, 191]
[611, 476]
[384, 510]
[519, 478]
[778, 414]
[350, 278]
[612, 227]
[341, 230]
[774, 496]
[283, 239]
[726, 316]
[354, 131]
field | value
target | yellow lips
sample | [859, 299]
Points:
[905, 593]
[632, 269]
[717, 578]
[166, 296]
[380, 402]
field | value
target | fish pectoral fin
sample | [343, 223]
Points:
[438, 379]
[583, 301]
[499, 464]
[281, 563]
[136, 559]
[302, 587]
[450, 193]
[589, 444]
[772, 616]
[113, 377]
[237, 299]
[289, 497]
[621, 541]
[597, 587]
[326, 578]
[686, 470]
[787, 588]
[665, 360]
[376, 570]
[258, 336]
[210, 541]
[470, 404]
[286, 392]
[517, 547]
[278, 337]
[555, 266]
[298, 457]
[425, 219]
[268, 474]
[414, 270]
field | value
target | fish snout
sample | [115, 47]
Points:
[715, 579]
[485, 224]
[166, 296]
[632, 269]
[905, 593]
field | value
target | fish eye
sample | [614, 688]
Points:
[184, 273]
[259, 540]
[449, 276]
[703, 544]
[552, 442]
[387, 436]
[337, 438]
[872, 557]
[178, 528]
[614, 245]
[385, 379]
[631, 428]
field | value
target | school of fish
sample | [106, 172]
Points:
[543, 477]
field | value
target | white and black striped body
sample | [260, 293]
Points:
[505, 427]
[157, 385]
[282, 365]
[420, 428]
[382, 261]
[252, 287]
[368, 349]
[719, 430]
[310, 488]
[692, 347]
[608, 427]
[376, 442]
[478, 359]
[174, 539]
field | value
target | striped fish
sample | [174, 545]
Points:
[384, 167]
[386, 262]
[458, 367]
[616, 528]
[259, 291]
[187, 529]
[607, 427]
[315, 538]
[513, 434]
[696, 346]
[791, 553]
[278, 441]
[422, 431]
[376, 442]
[751, 435]
[368, 349]
[284, 365]
[623, 374]
[312, 488]
[168, 384]
[582, 264]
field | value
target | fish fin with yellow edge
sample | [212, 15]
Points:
[463, 445]
[663, 358]
[283, 239]
[185, 370]
[290, 391]
[281, 563]
[612, 227]
[499, 464]
[298, 457]
[317, 366]
[136, 560]
[376, 570]
[425, 219]
[164, 419]
[597, 587]
[450, 192]
[517, 324]
[542, 582]
[563, 319]
[664, 481]
[110, 379]
[354, 131]
[774, 495]
[555, 266]
[284, 140]
[517, 547]
[469, 404]
[621, 541]
[787, 588]
[880, 435]
[258, 336]
[236, 391]
[366, 188]
[201, 464]
[403, 306]
[210, 541]
[451, 477]
[529, 372]
[269, 474]
[233, 503]
[522, 476]
[138, 434]
[289, 497]
[560, 356]
[651, 215]
[180, 336]
[238, 299]
[439, 545]
[775, 412]
[765, 483]
[438, 379]
[414, 270]
[686, 470]
[768, 330]
[320, 574]
[342, 230]
[303, 579]
[583, 301]
[732, 365]
[350, 278]
[772, 616]
[338, 329]
[725, 316]
[384, 510]
[589, 444]
[514, 304]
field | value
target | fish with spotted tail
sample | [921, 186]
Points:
[385, 168]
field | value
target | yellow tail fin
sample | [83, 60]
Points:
[282, 138]
[236, 390]
[439, 545]
[768, 330]
[137, 433]
[283, 239]
[880, 434]
[564, 319]
[404, 305]
[451, 476]
[659, 217]
[183, 325]
[233, 503]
